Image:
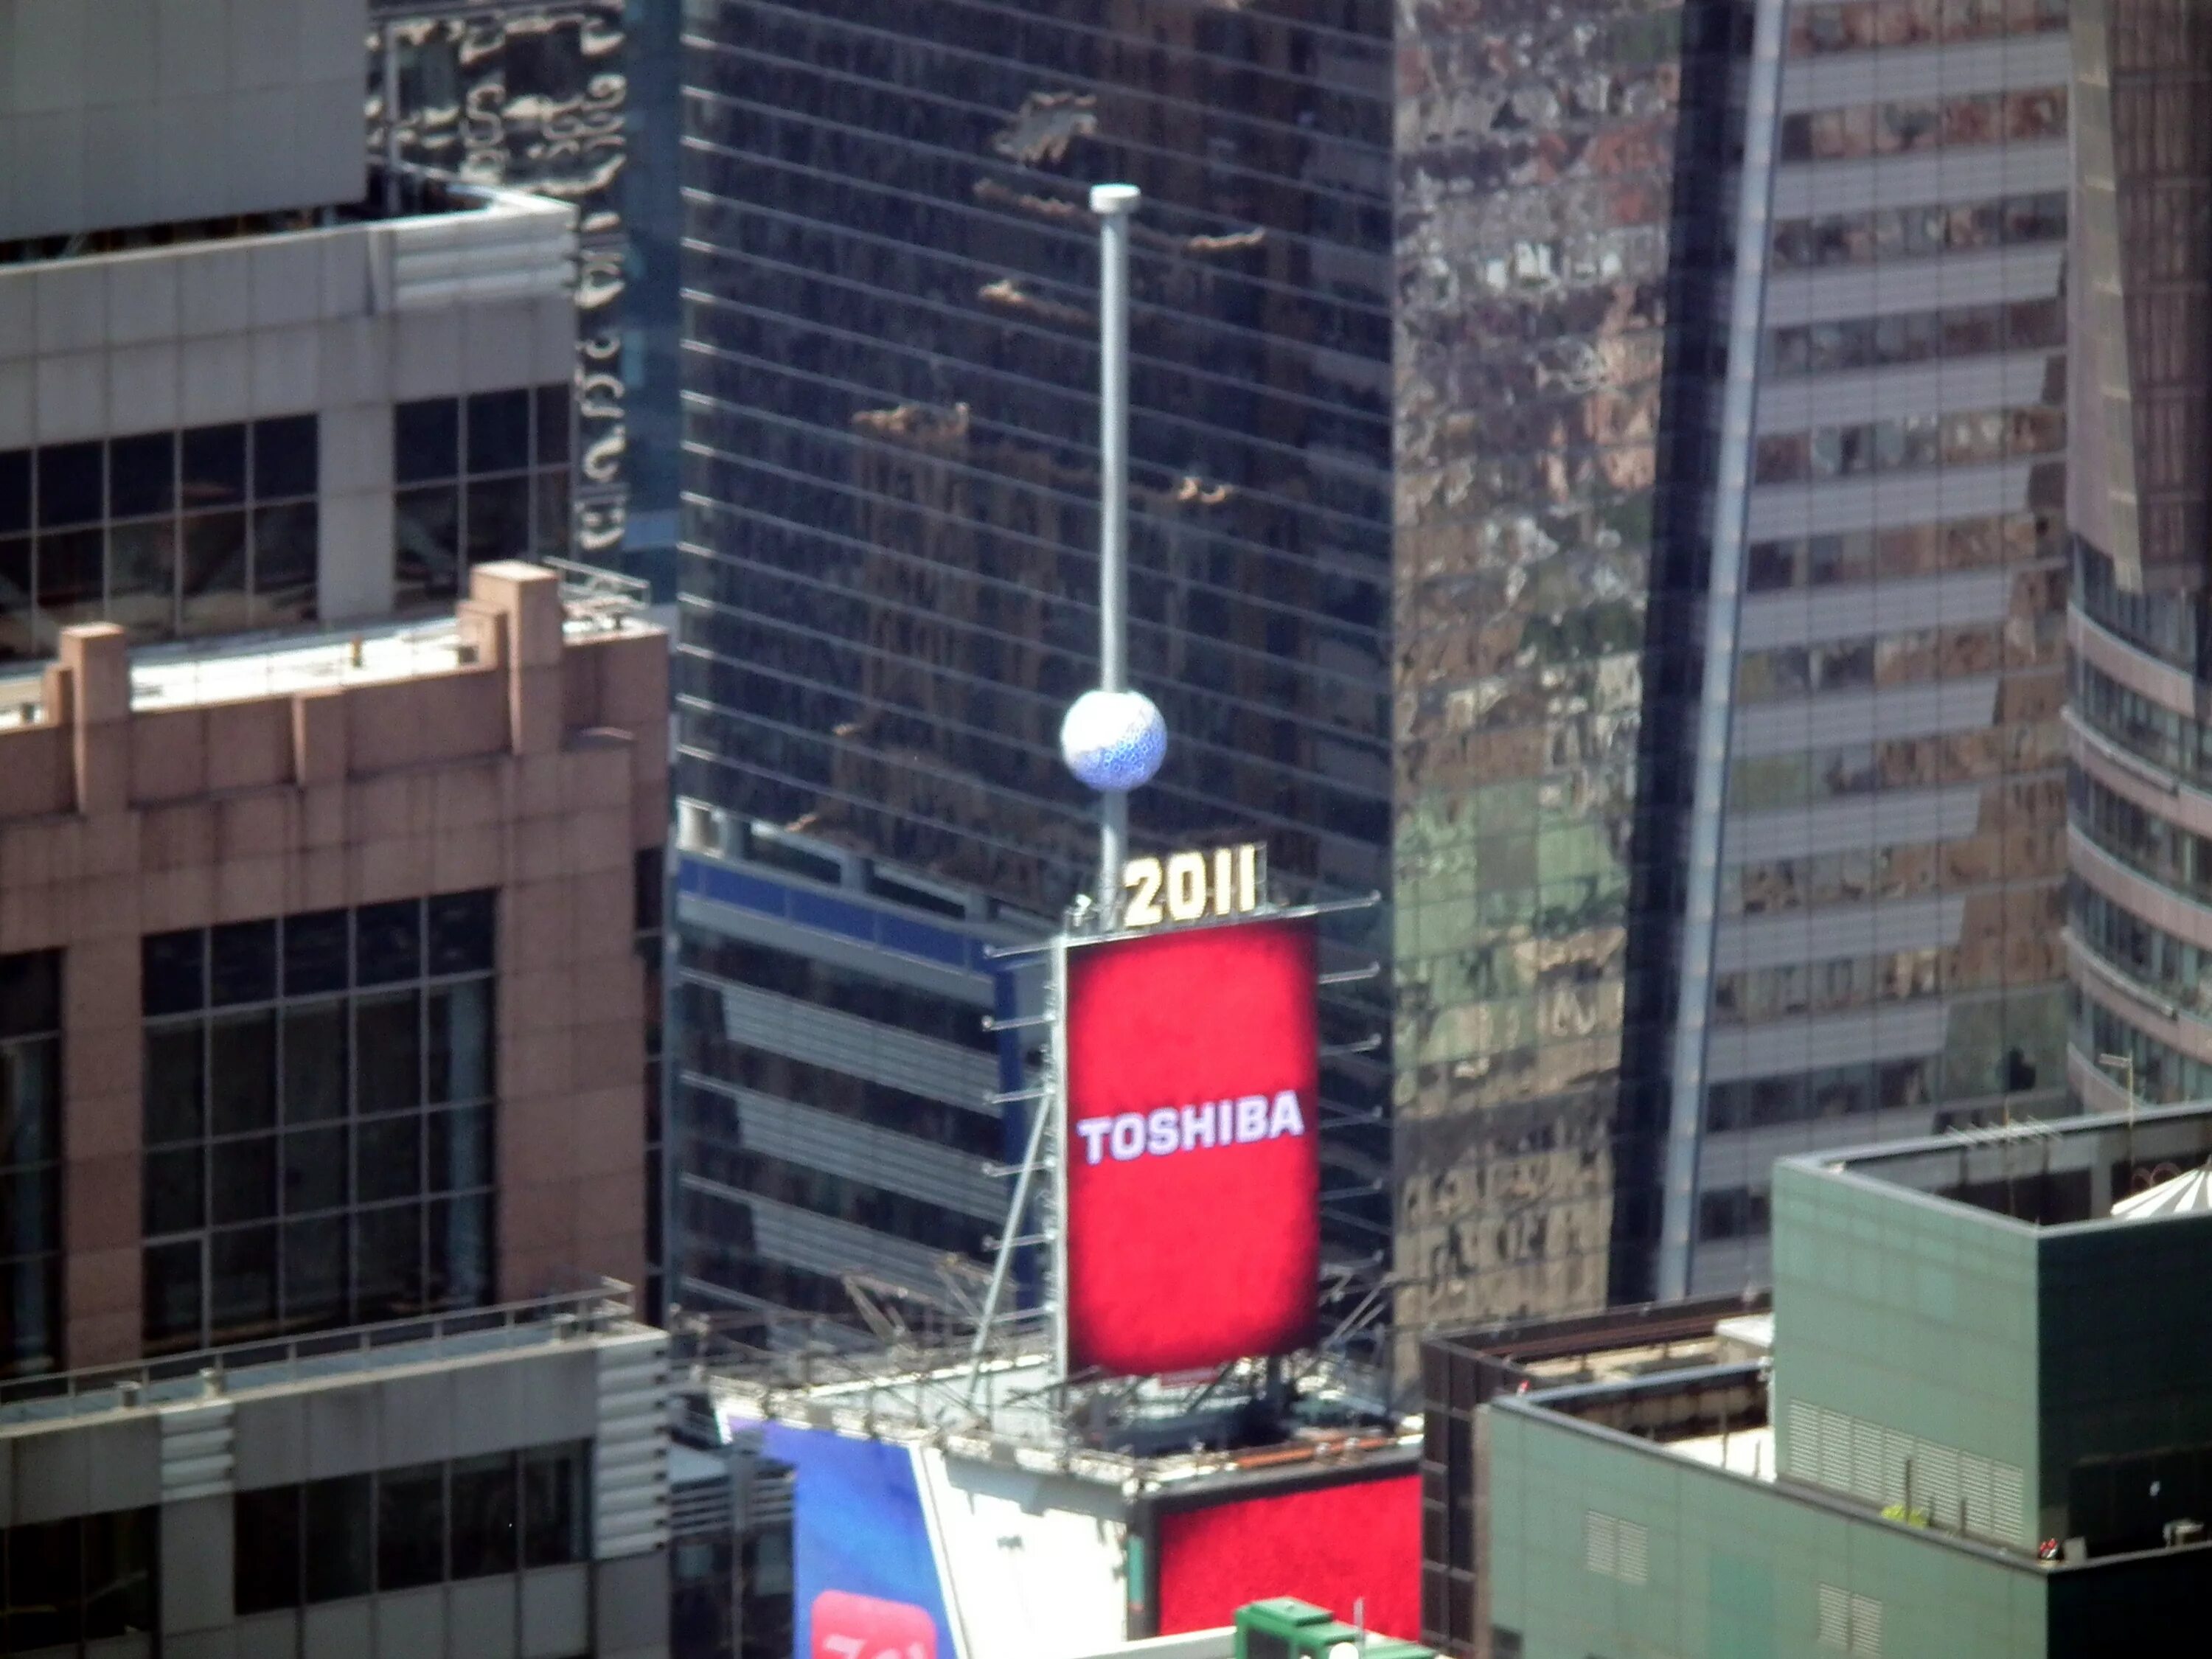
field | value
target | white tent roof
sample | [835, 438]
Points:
[2190, 1191]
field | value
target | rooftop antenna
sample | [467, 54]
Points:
[1113, 738]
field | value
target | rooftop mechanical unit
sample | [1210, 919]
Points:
[1286, 1628]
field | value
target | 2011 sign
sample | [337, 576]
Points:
[1229, 881]
[849, 1626]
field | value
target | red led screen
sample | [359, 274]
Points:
[1327, 1545]
[1193, 1174]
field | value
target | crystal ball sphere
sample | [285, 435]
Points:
[1114, 740]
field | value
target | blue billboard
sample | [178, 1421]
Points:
[865, 1573]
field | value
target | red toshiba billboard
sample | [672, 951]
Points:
[1191, 1167]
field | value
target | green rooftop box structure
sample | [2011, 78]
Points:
[1983, 1431]
[1285, 1627]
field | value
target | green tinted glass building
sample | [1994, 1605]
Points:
[1985, 1427]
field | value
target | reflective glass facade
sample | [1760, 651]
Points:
[889, 584]
[889, 447]
[1558, 199]
[319, 1120]
[30, 1162]
[1886, 953]
[888, 577]
[530, 94]
[172, 534]
[839, 1092]
[1875, 947]
[2141, 910]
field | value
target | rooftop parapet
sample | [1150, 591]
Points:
[504, 675]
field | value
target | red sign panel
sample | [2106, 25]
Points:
[1193, 1171]
[848, 1626]
[1336, 1547]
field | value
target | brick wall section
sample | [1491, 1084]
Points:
[541, 769]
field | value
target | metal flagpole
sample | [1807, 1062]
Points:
[1113, 740]
[1113, 203]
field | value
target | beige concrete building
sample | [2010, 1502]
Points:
[505, 771]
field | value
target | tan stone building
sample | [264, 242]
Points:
[323, 1003]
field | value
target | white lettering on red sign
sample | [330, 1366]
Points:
[1166, 1130]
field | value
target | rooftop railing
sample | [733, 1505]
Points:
[209, 1373]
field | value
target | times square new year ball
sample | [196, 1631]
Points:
[1114, 740]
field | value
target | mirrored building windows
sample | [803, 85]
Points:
[172, 534]
[82, 1584]
[1886, 958]
[478, 478]
[1862, 24]
[403, 1528]
[891, 477]
[2140, 899]
[30, 1162]
[534, 94]
[319, 1120]
[1549, 334]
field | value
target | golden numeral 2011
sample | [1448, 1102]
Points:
[1191, 886]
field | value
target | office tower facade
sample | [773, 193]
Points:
[250, 394]
[482, 1486]
[325, 1025]
[1549, 258]
[323, 1003]
[1734, 827]
[2141, 296]
[888, 580]
[325, 1165]
[840, 1093]
[1726, 486]
[534, 96]
[1880, 937]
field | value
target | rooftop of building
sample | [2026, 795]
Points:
[1716, 1403]
[403, 195]
[605, 1308]
[238, 667]
[1611, 1346]
[1014, 1408]
[1719, 1418]
[2038, 1175]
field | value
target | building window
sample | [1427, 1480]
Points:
[171, 534]
[827, 985]
[479, 478]
[1909, 124]
[1866, 25]
[471, 1517]
[1910, 443]
[1734, 1212]
[1920, 231]
[30, 1162]
[85, 1579]
[319, 1120]
[648, 875]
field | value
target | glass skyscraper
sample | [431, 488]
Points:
[1731, 475]
[2140, 918]
[888, 577]
[1674, 398]
[1557, 210]
[1883, 922]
